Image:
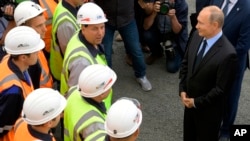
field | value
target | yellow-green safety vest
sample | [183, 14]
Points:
[61, 15]
[82, 118]
[75, 49]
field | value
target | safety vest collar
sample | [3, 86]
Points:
[71, 9]
[42, 136]
[13, 67]
[100, 106]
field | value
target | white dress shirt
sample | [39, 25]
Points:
[230, 5]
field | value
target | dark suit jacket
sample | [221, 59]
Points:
[208, 84]
[237, 26]
[237, 29]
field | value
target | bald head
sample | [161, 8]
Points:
[215, 14]
[210, 21]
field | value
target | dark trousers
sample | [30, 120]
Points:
[200, 127]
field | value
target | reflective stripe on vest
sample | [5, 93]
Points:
[70, 91]
[61, 15]
[99, 137]
[50, 5]
[5, 128]
[89, 129]
[86, 122]
[75, 49]
[46, 80]
[92, 128]
[50, 9]
[9, 78]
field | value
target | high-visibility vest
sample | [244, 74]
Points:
[61, 15]
[76, 48]
[9, 136]
[22, 133]
[46, 80]
[50, 5]
[7, 79]
[82, 118]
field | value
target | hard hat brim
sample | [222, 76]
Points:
[92, 22]
[127, 133]
[18, 23]
[114, 78]
[63, 104]
[38, 47]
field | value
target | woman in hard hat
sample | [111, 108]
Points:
[123, 120]
[22, 44]
[85, 112]
[41, 111]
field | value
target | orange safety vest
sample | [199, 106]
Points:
[50, 5]
[22, 133]
[7, 79]
[46, 80]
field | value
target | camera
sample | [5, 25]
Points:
[3, 4]
[168, 49]
[165, 6]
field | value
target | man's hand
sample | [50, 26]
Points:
[157, 6]
[171, 13]
[188, 102]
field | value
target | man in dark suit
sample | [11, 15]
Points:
[204, 85]
[237, 29]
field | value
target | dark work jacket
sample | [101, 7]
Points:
[118, 12]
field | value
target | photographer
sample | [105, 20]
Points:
[6, 22]
[165, 30]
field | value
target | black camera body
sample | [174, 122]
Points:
[3, 4]
[165, 6]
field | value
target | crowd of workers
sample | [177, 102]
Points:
[56, 65]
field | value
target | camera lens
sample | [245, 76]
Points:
[164, 8]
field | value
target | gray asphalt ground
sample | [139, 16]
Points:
[162, 109]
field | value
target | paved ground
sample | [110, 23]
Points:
[162, 108]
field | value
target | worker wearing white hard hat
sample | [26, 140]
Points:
[85, 47]
[85, 112]
[42, 110]
[22, 45]
[28, 13]
[123, 120]
[64, 26]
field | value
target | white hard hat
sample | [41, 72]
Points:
[90, 13]
[123, 119]
[26, 10]
[95, 80]
[23, 40]
[43, 105]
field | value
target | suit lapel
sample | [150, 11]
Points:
[211, 52]
[195, 48]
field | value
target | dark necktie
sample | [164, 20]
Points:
[225, 9]
[200, 54]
